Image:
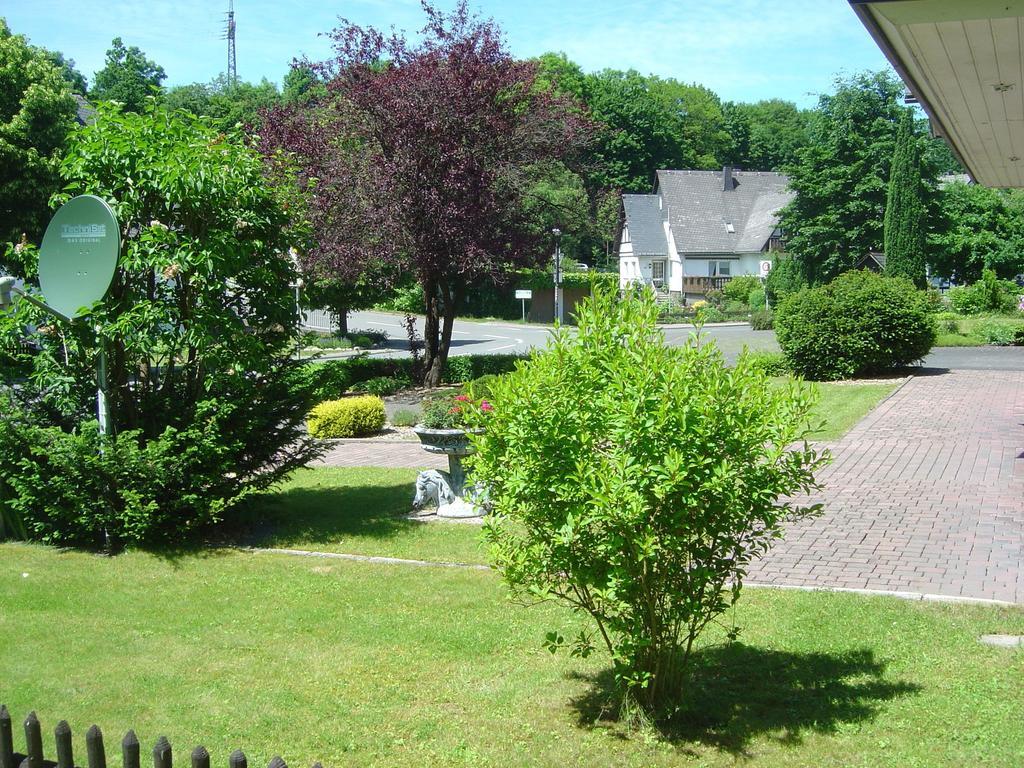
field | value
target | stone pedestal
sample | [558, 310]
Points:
[446, 489]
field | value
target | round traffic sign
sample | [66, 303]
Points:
[79, 253]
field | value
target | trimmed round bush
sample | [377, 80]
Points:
[348, 417]
[860, 323]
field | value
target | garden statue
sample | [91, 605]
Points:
[433, 488]
[443, 431]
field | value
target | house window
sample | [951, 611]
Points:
[658, 272]
[719, 269]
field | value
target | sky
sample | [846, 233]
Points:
[744, 50]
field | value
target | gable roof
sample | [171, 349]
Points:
[645, 221]
[700, 210]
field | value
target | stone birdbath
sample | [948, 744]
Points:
[446, 489]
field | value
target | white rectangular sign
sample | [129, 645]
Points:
[766, 267]
[524, 293]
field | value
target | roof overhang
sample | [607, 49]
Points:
[962, 60]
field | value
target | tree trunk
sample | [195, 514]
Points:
[431, 333]
[342, 313]
[438, 332]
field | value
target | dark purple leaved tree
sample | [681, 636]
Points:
[420, 156]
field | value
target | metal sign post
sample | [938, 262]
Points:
[523, 295]
[766, 267]
[558, 274]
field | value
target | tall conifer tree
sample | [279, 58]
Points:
[904, 233]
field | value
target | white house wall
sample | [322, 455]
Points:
[741, 264]
[674, 268]
[629, 268]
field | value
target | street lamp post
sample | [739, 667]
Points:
[559, 304]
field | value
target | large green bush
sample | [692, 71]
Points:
[199, 325]
[74, 488]
[635, 482]
[860, 323]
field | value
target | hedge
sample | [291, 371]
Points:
[332, 378]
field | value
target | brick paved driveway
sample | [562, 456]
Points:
[925, 495]
[380, 453]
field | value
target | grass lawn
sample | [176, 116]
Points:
[360, 511]
[841, 406]
[359, 664]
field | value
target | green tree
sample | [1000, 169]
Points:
[67, 68]
[228, 104]
[36, 114]
[976, 228]
[638, 134]
[698, 123]
[841, 178]
[128, 77]
[765, 136]
[556, 71]
[904, 223]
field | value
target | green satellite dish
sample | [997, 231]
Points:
[79, 254]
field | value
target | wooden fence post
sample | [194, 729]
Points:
[65, 751]
[130, 750]
[162, 757]
[6, 739]
[33, 741]
[94, 751]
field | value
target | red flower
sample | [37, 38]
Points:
[462, 398]
[486, 407]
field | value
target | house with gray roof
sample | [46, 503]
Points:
[701, 228]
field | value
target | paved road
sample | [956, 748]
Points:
[471, 337]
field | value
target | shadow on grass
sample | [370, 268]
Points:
[324, 514]
[738, 693]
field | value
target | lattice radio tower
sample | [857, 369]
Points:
[229, 35]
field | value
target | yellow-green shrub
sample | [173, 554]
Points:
[348, 417]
